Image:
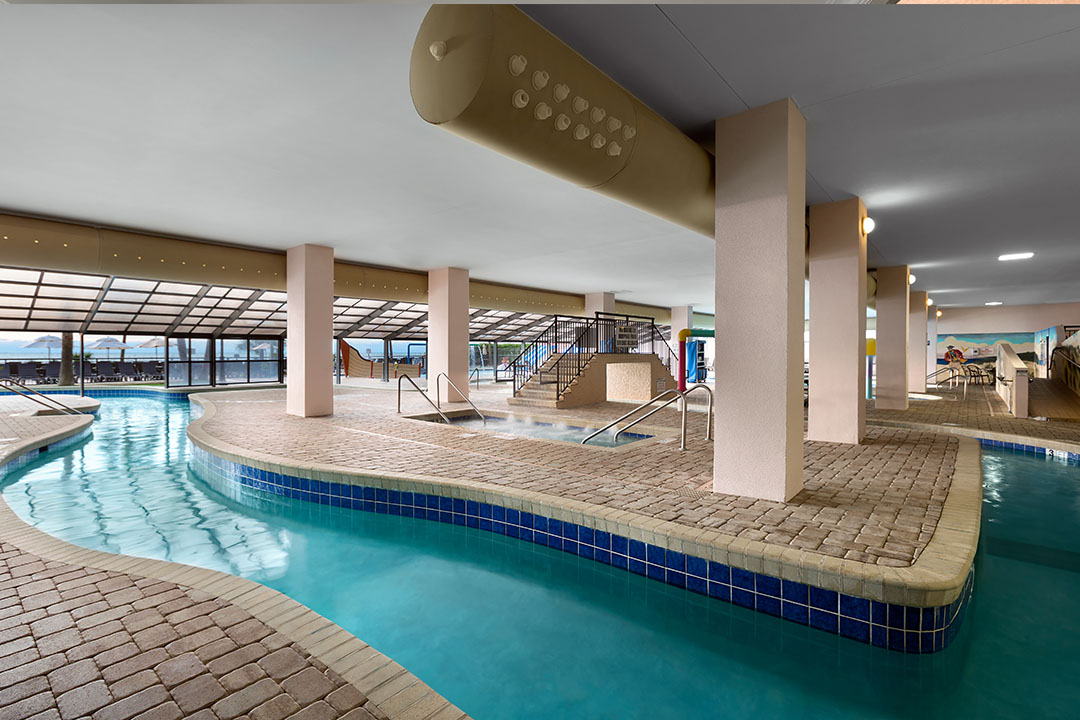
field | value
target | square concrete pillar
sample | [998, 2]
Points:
[931, 341]
[309, 277]
[917, 325]
[760, 266]
[599, 302]
[682, 318]
[837, 254]
[448, 331]
[893, 316]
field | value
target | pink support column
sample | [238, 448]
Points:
[917, 316]
[760, 266]
[310, 331]
[837, 408]
[448, 331]
[893, 295]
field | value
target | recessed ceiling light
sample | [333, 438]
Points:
[1017, 256]
[993, 302]
[911, 279]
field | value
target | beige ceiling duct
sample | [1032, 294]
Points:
[491, 74]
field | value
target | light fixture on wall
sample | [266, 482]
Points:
[868, 225]
[1017, 256]
[939, 313]
[911, 279]
[929, 301]
[993, 302]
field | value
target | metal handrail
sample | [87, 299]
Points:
[403, 376]
[1061, 351]
[709, 415]
[684, 395]
[465, 397]
[631, 424]
[22, 390]
[678, 394]
[475, 371]
[642, 406]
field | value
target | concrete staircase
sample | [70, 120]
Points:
[533, 394]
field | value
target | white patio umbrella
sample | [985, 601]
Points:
[261, 347]
[154, 342]
[46, 341]
[107, 344]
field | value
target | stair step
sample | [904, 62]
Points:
[531, 402]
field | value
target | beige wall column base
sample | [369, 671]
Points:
[310, 330]
[448, 332]
[893, 296]
[837, 408]
[760, 270]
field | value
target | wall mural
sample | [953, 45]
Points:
[1066, 372]
[981, 348]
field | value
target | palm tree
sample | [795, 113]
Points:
[66, 375]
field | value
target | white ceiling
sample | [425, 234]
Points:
[278, 125]
[957, 125]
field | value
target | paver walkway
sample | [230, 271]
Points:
[878, 502]
[81, 643]
[982, 410]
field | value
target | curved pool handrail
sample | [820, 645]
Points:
[629, 425]
[709, 414]
[23, 390]
[464, 397]
[403, 376]
[642, 406]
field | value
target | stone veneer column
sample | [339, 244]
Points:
[917, 325]
[837, 408]
[310, 330]
[599, 302]
[448, 331]
[760, 266]
[893, 296]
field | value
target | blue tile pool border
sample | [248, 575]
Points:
[884, 625]
[25, 458]
[1061, 455]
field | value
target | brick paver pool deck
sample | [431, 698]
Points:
[83, 643]
[878, 502]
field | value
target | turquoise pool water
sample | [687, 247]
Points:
[507, 629]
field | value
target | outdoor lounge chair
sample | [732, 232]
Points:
[52, 372]
[29, 371]
[106, 371]
[5, 370]
[128, 372]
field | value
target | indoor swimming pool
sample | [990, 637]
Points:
[509, 629]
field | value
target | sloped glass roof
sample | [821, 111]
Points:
[42, 301]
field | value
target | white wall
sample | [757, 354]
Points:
[1006, 318]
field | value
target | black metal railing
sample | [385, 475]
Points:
[560, 353]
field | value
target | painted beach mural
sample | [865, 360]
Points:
[981, 348]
